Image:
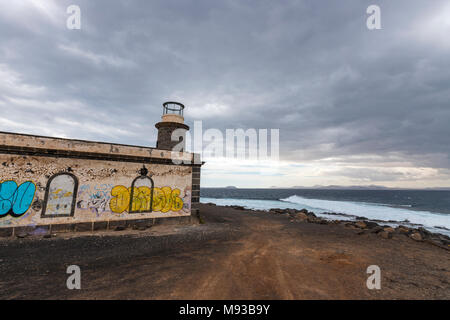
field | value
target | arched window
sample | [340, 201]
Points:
[141, 195]
[60, 196]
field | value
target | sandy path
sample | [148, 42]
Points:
[235, 255]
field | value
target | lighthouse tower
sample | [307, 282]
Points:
[171, 120]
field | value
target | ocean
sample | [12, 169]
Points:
[427, 208]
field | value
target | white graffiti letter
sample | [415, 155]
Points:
[374, 20]
[74, 281]
[74, 20]
[374, 281]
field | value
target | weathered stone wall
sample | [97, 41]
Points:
[196, 173]
[49, 184]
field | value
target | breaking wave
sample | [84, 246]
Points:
[374, 211]
[348, 210]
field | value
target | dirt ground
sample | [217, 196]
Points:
[235, 254]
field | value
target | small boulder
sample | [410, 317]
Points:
[416, 236]
[311, 214]
[376, 229]
[424, 232]
[403, 230]
[361, 224]
[316, 220]
[370, 225]
[276, 211]
[311, 219]
[389, 229]
[301, 216]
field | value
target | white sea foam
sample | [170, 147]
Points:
[429, 220]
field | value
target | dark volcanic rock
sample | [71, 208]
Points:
[389, 229]
[276, 211]
[371, 225]
[403, 230]
[424, 233]
[311, 214]
[360, 224]
[364, 225]
[376, 229]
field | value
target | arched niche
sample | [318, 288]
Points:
[141, 195]
[60, 196]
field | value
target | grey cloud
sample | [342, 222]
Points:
[310, 68]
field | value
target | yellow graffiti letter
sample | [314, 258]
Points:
[177, 202]
[121, 200]
[141, 199]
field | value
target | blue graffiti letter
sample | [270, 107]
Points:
[16, 200]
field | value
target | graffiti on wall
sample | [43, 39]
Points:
[60, 196]
[142, 194]
[95, 198]
[16, 200]
[63, 196]
[164, 199]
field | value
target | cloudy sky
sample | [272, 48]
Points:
[354, 106]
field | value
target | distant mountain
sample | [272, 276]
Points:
[370, 187]
[335, 187]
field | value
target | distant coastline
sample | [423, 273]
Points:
[335, 187]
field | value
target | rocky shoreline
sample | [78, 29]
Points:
[363, 225]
